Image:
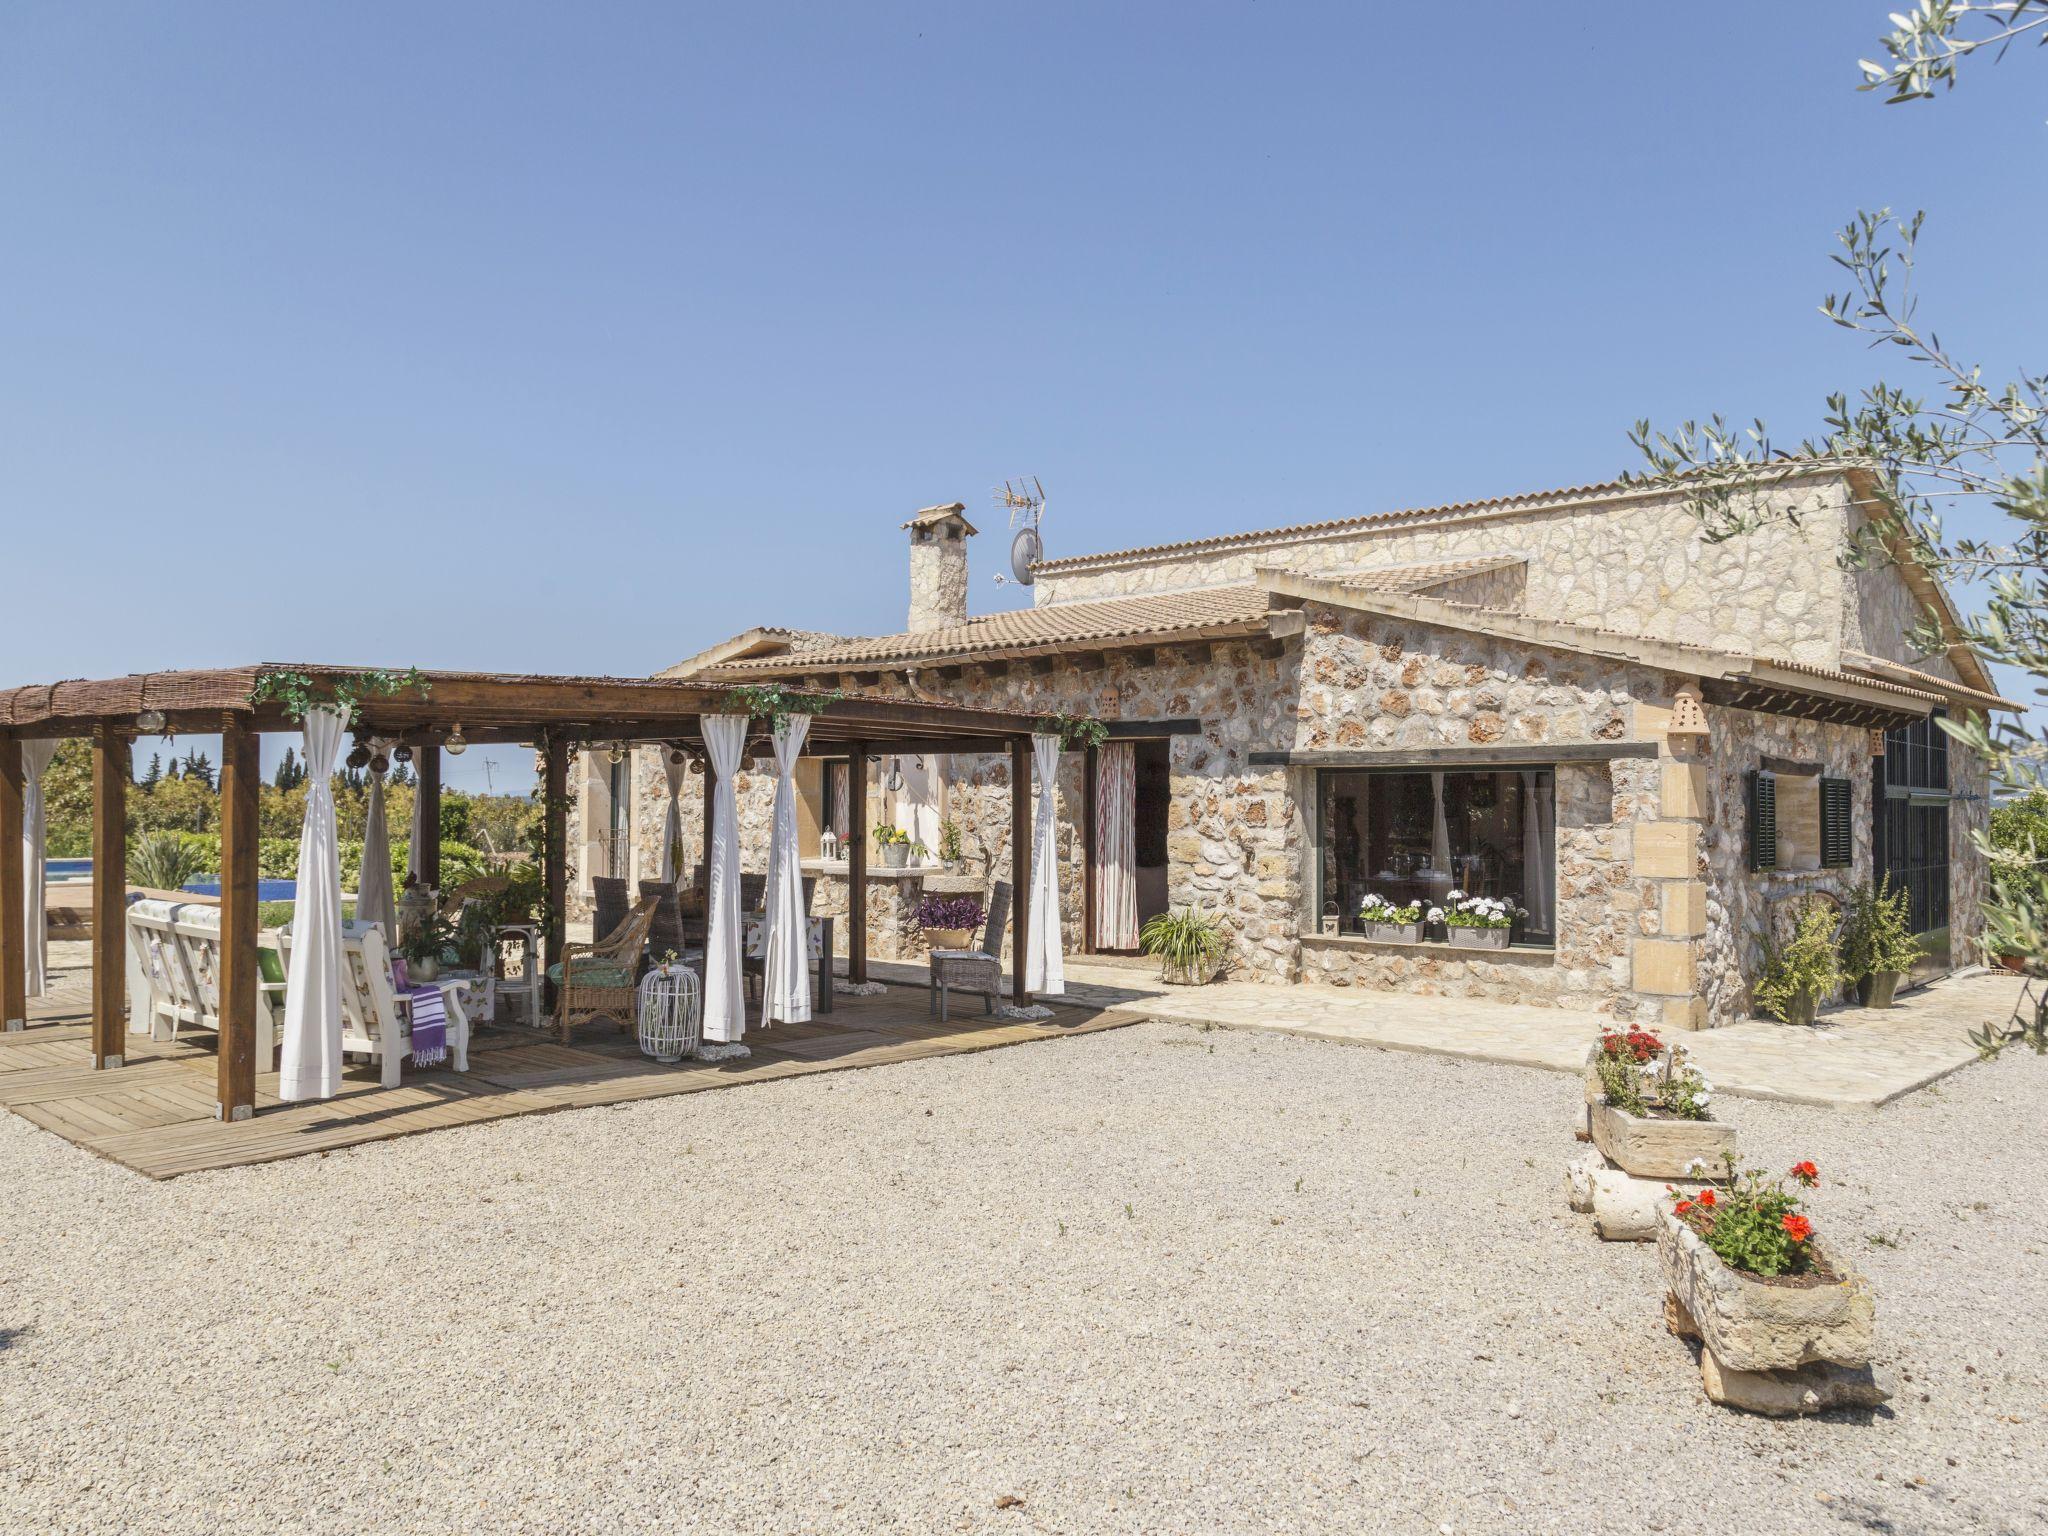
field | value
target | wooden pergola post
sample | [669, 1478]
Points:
[235, 1066]
[554, 852]
[1020, 865]
[14, 936]
[427, 858]
[857, 862]
[110, 769]
[1091, 766]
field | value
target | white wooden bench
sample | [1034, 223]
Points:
[174, 974]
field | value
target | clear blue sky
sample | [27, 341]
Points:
[572, 338]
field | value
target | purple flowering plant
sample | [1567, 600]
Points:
[936, 911]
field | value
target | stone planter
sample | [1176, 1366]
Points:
[895, 855]
[1393, 933]
[1876, 989]
[1198, 975]
[424, 970]
[1479, 938]
[948, 938]
[1753, 1324]
[1652, 1148]
[1802, 1007]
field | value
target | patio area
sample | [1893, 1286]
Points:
[156, 1115]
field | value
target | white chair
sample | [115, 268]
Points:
[376, 1020]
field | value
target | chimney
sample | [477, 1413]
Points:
[938, 567]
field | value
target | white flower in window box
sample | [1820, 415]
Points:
[1381, 920]
[1480, 922]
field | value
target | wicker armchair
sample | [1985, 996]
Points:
[601, 980]
[977, 970]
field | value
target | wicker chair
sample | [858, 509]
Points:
[601, 980]
[973, 970]
[667, 932]
[609, 898]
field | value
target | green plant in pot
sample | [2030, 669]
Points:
[429, 938]
[1188, 943]
[1878, 947]
[893, 843]
[1800, 971]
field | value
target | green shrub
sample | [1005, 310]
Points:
[166, 861]
[1877, 933]
[1187, 942]
[1799, 973]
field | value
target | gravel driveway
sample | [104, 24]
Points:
[1149, 1280]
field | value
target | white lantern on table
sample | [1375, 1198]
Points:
[671, 1012]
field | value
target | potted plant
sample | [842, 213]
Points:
[1380, 919]
[1188, 943]
[919, 855]
[1650, 1113]
[1798, 973]
[949, 922]
[1878, 947]
[1750, 1278]
[426, 941]
[950, 852]
[1475, 922]
[893, 843]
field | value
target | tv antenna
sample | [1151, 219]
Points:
[490, 764]
[1024, 499]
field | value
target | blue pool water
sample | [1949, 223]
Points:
[266, 890]
[66, 869]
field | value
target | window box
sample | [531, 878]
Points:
[1393, 933]
[1480, 938]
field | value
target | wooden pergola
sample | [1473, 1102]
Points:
[553, 715]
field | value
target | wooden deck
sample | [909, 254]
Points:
[156, 1114]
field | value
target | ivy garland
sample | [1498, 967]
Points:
[1074, 731]
[299, 692]
[775, 702]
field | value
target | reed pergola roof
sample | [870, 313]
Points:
[490, 707]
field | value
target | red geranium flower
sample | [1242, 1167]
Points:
[1682, 1207]
[1706, 1198]
[1798, 1228]
[1806, 1174]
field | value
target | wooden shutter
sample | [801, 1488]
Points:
[1763, 821]
[1835, 840]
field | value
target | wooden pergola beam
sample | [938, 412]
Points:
[554, 854]
[427, 860]
[857, 862]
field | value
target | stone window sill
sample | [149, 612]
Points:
[1514, 954]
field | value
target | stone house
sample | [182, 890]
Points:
[1655, 745]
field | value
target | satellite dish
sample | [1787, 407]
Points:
[1025, 551]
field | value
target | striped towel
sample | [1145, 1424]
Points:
[429, 1026]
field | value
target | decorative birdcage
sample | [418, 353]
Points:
[671, 1012]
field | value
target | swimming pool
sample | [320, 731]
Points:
[67, 869]
[266, 890]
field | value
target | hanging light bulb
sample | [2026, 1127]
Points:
[404, 753]
[616, 753]
[696, 765]
[380, 765]
[675, 756]
[150, 722]
[360, 757]
[457, 743]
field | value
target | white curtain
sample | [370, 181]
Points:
[375, 901]
[1116, 845]
[786, 972]
[725, 1011]
[35, 757]
[311, 1068]
[1440, 839]
[673, 765]
[1538, 833]
[1044, 969]
[842, 797]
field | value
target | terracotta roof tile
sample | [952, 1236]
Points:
[1049, 627]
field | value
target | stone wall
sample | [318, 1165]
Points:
[1632, 561]
[1370, 682]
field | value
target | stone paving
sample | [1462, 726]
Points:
[1854, 1057]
